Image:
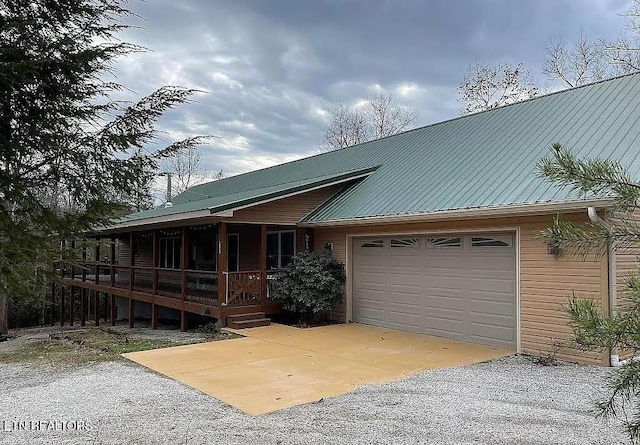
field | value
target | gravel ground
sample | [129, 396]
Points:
[506, 401]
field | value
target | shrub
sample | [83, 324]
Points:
[313, 283]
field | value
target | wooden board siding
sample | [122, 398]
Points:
[546, 280]
[287, 210]
[123, 252]
[626, 263]
[144, 252]
[249, 239]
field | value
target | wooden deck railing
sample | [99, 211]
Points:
[200, 285]
[244, 287]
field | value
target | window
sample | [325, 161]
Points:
[444, 242]
[281, 247]
[491, 241]
[405, 242]
[233, 252]
[372, 243]
[170, 253]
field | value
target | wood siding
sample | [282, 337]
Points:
[626, 263]
[546, 281]
[287, 210]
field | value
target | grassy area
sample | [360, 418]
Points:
[84, 346]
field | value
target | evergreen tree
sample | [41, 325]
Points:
[63, 139]
[593, 328]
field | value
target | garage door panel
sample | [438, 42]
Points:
[411, 297]
[401, 317]
[490, 333]
[466, 293]
[502, 308]
[443, 328]
[495, 286]
[447, 302]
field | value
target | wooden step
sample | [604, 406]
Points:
[245, 317]
[257, 322]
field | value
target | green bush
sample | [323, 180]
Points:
[313, 283]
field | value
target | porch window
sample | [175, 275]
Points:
[233, 252]
[281, 247]
[170, 253]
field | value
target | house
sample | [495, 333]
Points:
[438, 228]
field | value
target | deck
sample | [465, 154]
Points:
[189, 291]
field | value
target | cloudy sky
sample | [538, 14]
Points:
[272, 68]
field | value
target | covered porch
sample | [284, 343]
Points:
[218, 269]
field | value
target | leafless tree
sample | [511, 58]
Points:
[387, 117]
[624, 52]
[187, 170]
[576, 64]
[485, 86]
[380, 116]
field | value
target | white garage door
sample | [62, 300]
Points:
[457, 286]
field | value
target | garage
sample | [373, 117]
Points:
[460, 286]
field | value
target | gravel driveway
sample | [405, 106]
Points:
[506, 401]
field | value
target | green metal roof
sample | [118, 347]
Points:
[488, 159]
[207, 197]
[478, 161]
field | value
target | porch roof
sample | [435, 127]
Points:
[187, 206]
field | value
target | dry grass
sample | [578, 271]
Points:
[92, 345]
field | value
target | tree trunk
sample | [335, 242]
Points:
[4, 324]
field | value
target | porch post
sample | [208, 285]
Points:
[263, 262]
[113, 310]
[53, 300]
[73, 263]
[113, 260]
[183, 321]
[97, 274]
[154, 279]
[155, 260]
[96, 307]
[222, 262]
[71, 304]
[183, 266]
[184, 260]
[84, 259]
[83, 306]
[154, 316]
[63, 289]
[222, 267]
[132, 260]
[106, 306]
[131, 315]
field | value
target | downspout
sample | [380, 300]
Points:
[614, 357]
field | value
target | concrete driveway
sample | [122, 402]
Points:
[279, 366]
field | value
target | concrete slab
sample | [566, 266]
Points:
[277, 366]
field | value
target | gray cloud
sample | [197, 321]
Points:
[270, 68]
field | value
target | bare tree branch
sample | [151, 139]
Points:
[485, 86]
[577, 64]
[381, 116]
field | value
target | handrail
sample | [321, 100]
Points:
[226, 287]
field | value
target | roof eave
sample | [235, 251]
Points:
[475, 213]
[226, 211]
